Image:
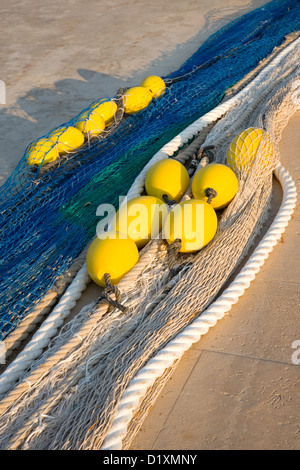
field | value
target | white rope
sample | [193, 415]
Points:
[42, 337]
[176, 348]
[50, 327]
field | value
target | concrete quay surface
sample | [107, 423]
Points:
[58, 57]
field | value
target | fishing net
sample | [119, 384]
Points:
[48, 212]
[71, 392]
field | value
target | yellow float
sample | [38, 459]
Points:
[114, 254]
[67, 139]
[141, 219]
[41, 152]
[215, 183]
[107, 110]
[91, 124]
[155, 84]
[169, 178]
[243, 149]
[136, 99]
[193, 222]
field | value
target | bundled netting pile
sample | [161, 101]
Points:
[48, 212]
[68, 398]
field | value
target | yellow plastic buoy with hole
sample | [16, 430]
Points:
[219, 178]
[155, 84]
[67, 139]
[141, 219]
[113, 254]
[41, 152]
[167, 177]
[243, 149]
[136, 99]
[194, 222]
[91, 124]
[107, 110]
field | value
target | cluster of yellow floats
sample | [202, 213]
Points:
[193, 221]
[92, 122]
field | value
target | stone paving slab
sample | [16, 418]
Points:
[228, 402]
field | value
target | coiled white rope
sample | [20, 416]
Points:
[50, 327]
[176, 348]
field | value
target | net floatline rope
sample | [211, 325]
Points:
[55, 320]
[37, 243]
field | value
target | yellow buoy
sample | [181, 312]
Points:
[41, 152]
[141, 219]
[136, 99]
[114, 254]
[215, 183]
[67, 139]
[194, 222]
[53, 136]
[91, 124]
[243, 149]
[155, 84]
[167, 177]
[107, 110]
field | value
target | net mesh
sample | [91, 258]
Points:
[48, 211]
[72, 405]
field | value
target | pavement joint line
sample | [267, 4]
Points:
[253, 358]
[177, 397]
[186, 381]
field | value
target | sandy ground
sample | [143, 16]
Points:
[237, 388]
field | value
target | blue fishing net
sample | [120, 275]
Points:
[48, 213]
